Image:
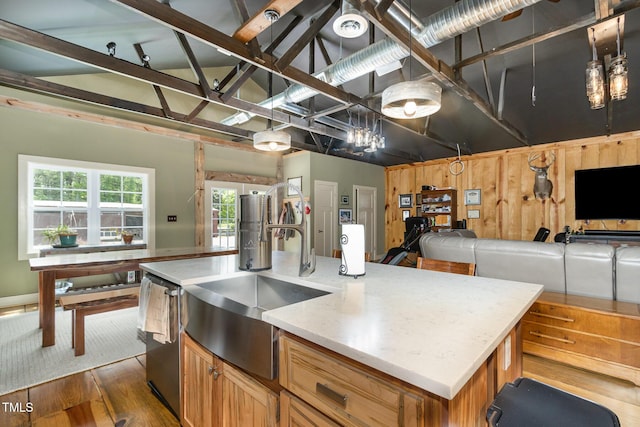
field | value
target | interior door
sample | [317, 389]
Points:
[365, 206]
[325, 221]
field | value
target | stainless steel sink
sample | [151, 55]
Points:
[225, 317]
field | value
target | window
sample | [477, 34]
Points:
[99, 201]
[223, 211]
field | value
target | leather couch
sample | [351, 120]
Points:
[587, 269]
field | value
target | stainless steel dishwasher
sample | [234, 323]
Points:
[163, 360]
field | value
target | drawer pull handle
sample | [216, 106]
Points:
[340, 399]
[550, 316]
[539, 335]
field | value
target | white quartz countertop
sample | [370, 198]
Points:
[430, 329]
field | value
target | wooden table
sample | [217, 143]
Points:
[76, 265]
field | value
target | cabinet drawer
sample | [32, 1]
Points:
[579, 319]
[612, 350]
[295, 413]
[344, 392]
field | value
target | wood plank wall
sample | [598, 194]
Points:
[509, 209]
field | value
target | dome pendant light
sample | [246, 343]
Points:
[271, 140]
[411, 99]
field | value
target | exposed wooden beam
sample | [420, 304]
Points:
[193, 63]
[212, 37]
[258, 23]
[529, 40]
[228, 94]
[163, 101]
[99, 60]
[119, 123]
[236, 177]
[441, 72]
[10, 78]
[308, 35]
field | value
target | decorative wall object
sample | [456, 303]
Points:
[405, 201]
[472, 197]
[345, 216]
[297, 182]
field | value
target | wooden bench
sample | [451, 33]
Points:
[85, 304]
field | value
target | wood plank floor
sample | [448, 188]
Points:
[114, 395]
[117, 395]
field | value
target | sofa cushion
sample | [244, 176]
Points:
[447, 247]
[523, 261]
[589, 269]
[628, 274]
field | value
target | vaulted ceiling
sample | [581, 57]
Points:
[507, 82]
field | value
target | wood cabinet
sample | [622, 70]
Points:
[441, 207]
[215, 393]
[589, 333]
[326, 389]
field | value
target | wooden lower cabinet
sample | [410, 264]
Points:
[295, 413]
[326, 389]
[215, 393]
[589, 333]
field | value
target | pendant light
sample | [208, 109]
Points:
[411, 99]
[618, 78]
[350, 24]
[595, 79]
[271, 140]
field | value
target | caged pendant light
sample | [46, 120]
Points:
[618, 73]
[411, 99]
[595, 79]
[271, 140]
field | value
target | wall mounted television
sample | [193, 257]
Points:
[607, 193]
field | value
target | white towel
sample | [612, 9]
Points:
[153, 311]
[143, 301]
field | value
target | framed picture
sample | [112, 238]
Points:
[344, 216]
[405, 200]
[344, 200]
[297, 181]
[405, 214]
[418, 199]
[472, 197]
[473, 213]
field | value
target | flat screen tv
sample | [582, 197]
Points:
[607, 193]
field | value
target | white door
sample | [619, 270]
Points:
[365, 206]
[325, 217]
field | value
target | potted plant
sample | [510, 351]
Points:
[63, 234]
[127, 236]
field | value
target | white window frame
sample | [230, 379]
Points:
[28, 163]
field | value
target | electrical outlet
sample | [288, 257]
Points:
[172, 218]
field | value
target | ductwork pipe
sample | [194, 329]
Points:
[457, 19]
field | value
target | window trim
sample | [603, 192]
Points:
[24, 162]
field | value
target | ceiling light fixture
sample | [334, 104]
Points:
[618, 73]
[595, 78]
[271, 140]
[350, 24]
[370, 140]
[411, 99]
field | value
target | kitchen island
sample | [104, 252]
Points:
[443, 334]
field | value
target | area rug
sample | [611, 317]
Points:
[109, 337]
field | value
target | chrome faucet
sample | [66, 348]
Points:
[307, 259]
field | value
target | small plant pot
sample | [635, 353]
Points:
[68, 239]
[127, 238]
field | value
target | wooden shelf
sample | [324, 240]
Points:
[441, 207]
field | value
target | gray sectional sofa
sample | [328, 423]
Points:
[587, 269]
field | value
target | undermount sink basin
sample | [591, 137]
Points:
[225, 316]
